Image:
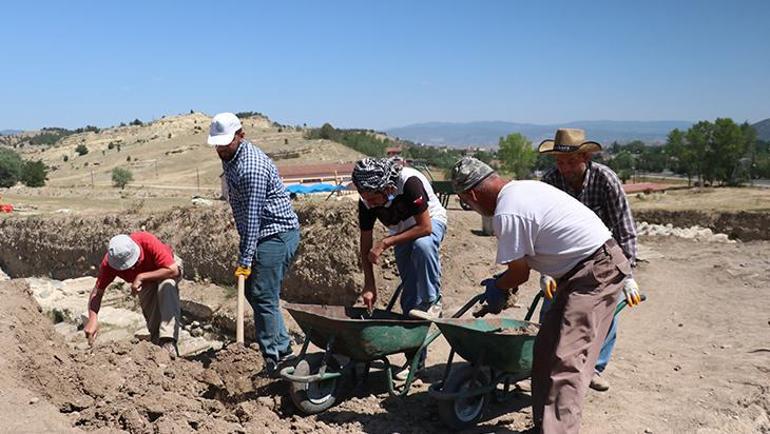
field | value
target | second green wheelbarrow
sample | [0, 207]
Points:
[350, 336]
[499, 351]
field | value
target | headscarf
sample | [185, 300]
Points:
[376, 174]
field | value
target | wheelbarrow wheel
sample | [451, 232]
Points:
[461, 413]
[315, 397]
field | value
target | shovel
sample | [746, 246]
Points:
[239, 309]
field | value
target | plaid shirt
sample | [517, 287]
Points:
[260, 203]
[602, 192]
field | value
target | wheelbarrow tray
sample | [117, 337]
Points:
[357, 335]
[504, 344]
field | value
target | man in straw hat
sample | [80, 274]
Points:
[543, 228]
[154, 272]
[599, 188]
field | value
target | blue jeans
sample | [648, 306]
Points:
[263, 291]
[420, 269]
[609, 341]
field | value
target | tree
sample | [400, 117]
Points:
[136, 122]
[11, 166]
[121, 177]
[680, 155]
[516, 155]
[327, 131]
[698, 139]
[35, 174]
[81, 149]
[623, 164]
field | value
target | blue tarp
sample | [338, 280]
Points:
[313, 188]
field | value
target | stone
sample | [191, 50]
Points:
[199, 201]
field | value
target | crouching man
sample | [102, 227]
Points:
[154, 273]
[543, 228]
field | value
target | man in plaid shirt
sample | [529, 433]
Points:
[600, 189]
[268, 228]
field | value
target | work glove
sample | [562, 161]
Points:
[548, 286]
[240, 270]
[494, 296]
[631, 291]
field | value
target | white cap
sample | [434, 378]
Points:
[122, 252]
[223, 128]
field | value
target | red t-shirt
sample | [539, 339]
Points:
[153, 254]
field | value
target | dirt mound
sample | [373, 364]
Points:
[135, 386]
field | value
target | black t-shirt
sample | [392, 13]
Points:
[411, 202]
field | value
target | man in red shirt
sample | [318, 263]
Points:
[154, 273]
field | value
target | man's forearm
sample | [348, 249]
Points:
[366, 243]
[162, 273]
[94, 303]
[410, 234]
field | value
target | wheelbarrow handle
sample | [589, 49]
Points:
[478, 298]
[394, 297]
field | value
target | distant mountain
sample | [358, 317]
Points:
[763, 129]
[488, 133]
[10, 132]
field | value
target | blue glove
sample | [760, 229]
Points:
[494, 296]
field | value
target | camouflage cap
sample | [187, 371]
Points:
[468, 172]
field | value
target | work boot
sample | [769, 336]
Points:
[599, 383]
[170, 346]
[272, 367]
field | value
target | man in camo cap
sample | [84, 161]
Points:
[543, 228]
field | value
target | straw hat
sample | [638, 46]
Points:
[568, 141]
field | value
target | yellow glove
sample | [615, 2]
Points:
[548, 286]
[631, 292]
[240, 270]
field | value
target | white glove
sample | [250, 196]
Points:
[548, 286]
[631, 291]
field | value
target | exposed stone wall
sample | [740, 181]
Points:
[745, 226]
[62, 247]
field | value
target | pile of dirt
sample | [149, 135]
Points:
[135, 386]
[326, 269]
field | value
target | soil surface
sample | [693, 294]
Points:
[693, 358]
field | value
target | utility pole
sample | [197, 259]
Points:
[92, 179]
[198, 178]
[156, 168]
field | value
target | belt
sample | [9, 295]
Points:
[604, 249]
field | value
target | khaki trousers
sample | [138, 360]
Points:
[571, 336]
[160, 307]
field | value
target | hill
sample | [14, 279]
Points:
[9, 132]
[763, 130]
[487, 133]
[171, 152]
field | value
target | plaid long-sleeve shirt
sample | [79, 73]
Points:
[603, 193]
[260, 203]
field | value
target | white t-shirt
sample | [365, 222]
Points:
[547, 226]
[435, 210]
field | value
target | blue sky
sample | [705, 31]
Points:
[386, 63]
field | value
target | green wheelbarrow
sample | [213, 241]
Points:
[350, 336]
[499, 351]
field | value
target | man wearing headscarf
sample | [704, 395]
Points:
[403, 200]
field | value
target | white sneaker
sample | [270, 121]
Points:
[433, 312]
